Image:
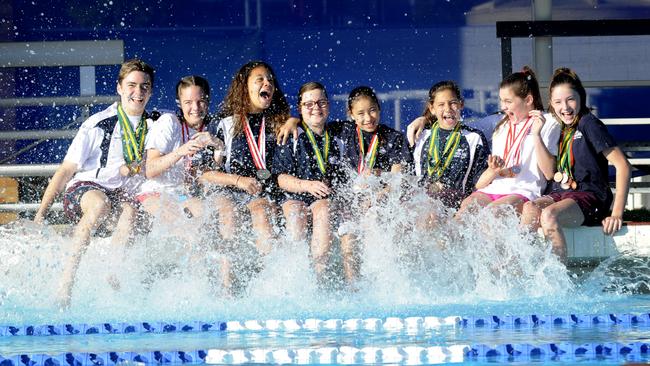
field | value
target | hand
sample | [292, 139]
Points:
[39, 218]
[124, 171]
[495, 163]
[290, 127]
[249, 185]
[538, 121]
[190, 148]
[316, 188]
[612, 224]
[414, 129]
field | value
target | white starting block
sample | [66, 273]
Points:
[591, 243]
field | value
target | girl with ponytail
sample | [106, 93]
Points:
[579, 193]
[524, 146]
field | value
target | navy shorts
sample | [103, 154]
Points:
[72, 198]
[305, 198]
[592, 208]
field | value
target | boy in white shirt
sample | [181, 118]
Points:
[103, 168]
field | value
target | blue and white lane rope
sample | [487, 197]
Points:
[412, 355]
[344, 325]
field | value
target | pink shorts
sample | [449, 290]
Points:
[494, 197]
[143, 196]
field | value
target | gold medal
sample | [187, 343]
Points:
[557, 177]
[134, 168]
[565, 178]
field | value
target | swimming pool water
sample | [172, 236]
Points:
[406, 338]
[391, 318]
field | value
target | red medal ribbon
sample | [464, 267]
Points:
[512, 156]
[372, 150]
[258, 151]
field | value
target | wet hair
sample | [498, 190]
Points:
[564, 75]
[359, 92]
[309, 86]
[237, 103]
[522, 84]
[186, 82]
[435, 89]
[135, 65]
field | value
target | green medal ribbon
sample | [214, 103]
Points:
[320, 158]
[566, 160]
[132, 142]
[438, 167]
[367, 161]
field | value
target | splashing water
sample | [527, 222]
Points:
[484, 264]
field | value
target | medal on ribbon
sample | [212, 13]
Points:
[132, 141]
[367, 160]
[513, 147]
[437, 164]
[321, 158]
[258, 150]
[565, 161]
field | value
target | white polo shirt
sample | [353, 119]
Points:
[96, 150]
[166, 135]
[530, 182]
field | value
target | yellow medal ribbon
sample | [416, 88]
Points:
[367, 161]
[320, 158]
[434, 150]
[566, 160]
[132, 142]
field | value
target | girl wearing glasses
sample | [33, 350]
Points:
[254, 107]
[306, 169]
[367, 148]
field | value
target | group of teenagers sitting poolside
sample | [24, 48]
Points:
[253, 157]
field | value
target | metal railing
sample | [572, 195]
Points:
[482, 96]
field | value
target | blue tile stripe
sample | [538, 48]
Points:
[106, 358]
[414, 355]
[110, 328]
[556, 320]
[368, 324]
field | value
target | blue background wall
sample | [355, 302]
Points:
[389, 45]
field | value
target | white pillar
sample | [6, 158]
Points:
[543, 47]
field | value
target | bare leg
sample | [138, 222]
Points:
[123, 233]
[122, 237]
[295, 213]
[94, 207]
[260, 210]
[511, 200]
[227, 228]
[167, 213]
[471, 203]
[532, 211]
[565, 213]
[227, 220]
[321, 240]
[351, 258]
[426, 219]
